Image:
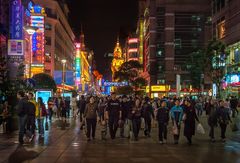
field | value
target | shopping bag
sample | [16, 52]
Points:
[200, 129]
[175, 129]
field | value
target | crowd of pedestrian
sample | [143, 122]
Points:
[129, 114]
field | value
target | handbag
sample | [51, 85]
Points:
[175, 129]
[200, 129]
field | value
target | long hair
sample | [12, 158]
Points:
[40, 100]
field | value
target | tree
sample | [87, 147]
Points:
[209, 61]
[215, 61]
[44, 81]
[196, 66]
[129, 72]
[124, 90]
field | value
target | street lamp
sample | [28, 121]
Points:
[30, 30]
[63, 75]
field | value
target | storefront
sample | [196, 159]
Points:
[158, 91]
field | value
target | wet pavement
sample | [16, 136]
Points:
[69, 144]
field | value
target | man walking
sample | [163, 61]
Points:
[114, 114]
[32, 105]
[22, 114]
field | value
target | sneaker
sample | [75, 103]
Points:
[223, 140]
[88, 139]
[160, 142]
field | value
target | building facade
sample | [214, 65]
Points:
[59, 37]
[172, 31]
[226, 25]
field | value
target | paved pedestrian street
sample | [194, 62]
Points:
[70, 145]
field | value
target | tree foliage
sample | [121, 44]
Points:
[129, 71]
[124, 90]
[202, 62]
[44, 81]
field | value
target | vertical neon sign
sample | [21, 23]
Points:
[78, 65]
[37, 20]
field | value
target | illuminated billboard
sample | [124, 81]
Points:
[38, 40]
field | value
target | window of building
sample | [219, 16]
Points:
[178, 43]
[221, 31]
[48, 26]
[48, 40]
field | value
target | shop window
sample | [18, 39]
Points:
[236, 55]
[221, 31]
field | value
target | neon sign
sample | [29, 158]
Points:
[37, 39]
[78, 65]
[16, 20]
[133, 40]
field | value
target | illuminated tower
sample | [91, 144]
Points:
[118, 59]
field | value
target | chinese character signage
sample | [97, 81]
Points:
[16, 20]
[38, 39]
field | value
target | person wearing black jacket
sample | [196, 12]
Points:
[162, 118]
[113, 115]
[136, 118]
[31, 116]
[189, 118]
[211, 110]
[223, 119]
[148, 114]
[233, 106]
[81, 104]
[126, 106]
[22, 111]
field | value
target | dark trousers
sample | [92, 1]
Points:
[113, 126]
[189, 138]
[148, 126]
[223, 130]
[22, 123]
[211, 132]
[81, 116]
[50, 114]
[91, 127]
[162, 131]
[136, 122]
[234, 112]
[31, 124]
[199, 112]
[122, 129]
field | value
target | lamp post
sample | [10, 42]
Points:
[30, 30]
[63, 75]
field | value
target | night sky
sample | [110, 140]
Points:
[102, 21]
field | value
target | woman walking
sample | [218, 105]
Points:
[211, 110]
[189, 121]
[223, 119]
[91, 118]
[176, 114]
[40, 115]
[136, 118]
[162, 118]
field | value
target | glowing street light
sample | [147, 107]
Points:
[63, 75]
[30, 30]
